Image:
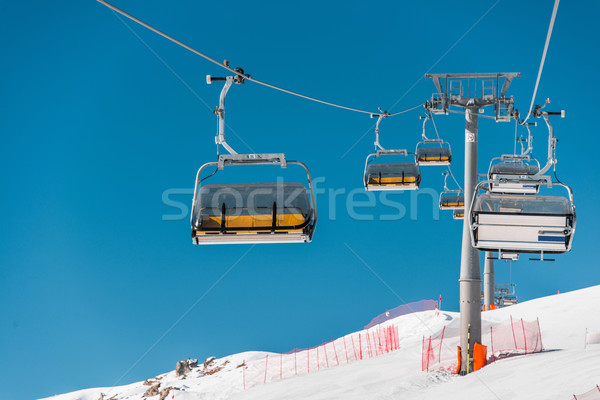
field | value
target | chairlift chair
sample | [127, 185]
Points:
[522, 224]
[390, 175]
[451, 199]
[514, 174]
[255, 212]
[433, 152]
[458, 214]
[511, 217]
[505, 295]
[271, 212]
[509, 301]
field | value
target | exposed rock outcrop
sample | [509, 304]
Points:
[185, 366]
[165, 392]
[209, 361]
[152, 391]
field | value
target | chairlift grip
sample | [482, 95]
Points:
[211, 79]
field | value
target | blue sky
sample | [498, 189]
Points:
[95, 128]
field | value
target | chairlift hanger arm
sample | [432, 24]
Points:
[384, 114]
[551, 138]
[449, 172]
[446, 180]
[425, 119]
[446, 189]
[529, 139]
[220, 110]
[220, 139]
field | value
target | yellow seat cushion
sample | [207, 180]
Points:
[434, 158]
[453, 204]
[394, 180]
[252, 221]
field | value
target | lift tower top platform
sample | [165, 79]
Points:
[483, 89]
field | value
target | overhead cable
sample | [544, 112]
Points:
[537, 81]
[237, 72]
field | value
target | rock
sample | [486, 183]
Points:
[181, 368]
[209, 361]
[185, 366]
[214, 368]
[152, 391]
[165, 392]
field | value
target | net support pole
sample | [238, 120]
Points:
[266, 364]
[346, 351]
[488, 280]
[470, 272]
[335, 352]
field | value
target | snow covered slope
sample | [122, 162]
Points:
[564, 368]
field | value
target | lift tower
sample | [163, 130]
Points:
[471, 92]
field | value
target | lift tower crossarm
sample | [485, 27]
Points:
[508, 75]
[490, 93]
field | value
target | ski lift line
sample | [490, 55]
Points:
[404, 111]
[455, 181]
[537, 81]
[239, 73]
[179, 78]
[435, 127]
[449, 166]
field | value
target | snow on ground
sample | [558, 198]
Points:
[563, 369]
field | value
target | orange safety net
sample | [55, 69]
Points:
[593, 394]
[518, 337]
[431, 351]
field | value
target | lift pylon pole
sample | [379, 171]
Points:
[471, 92]
[470, 273]
[488, 280]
